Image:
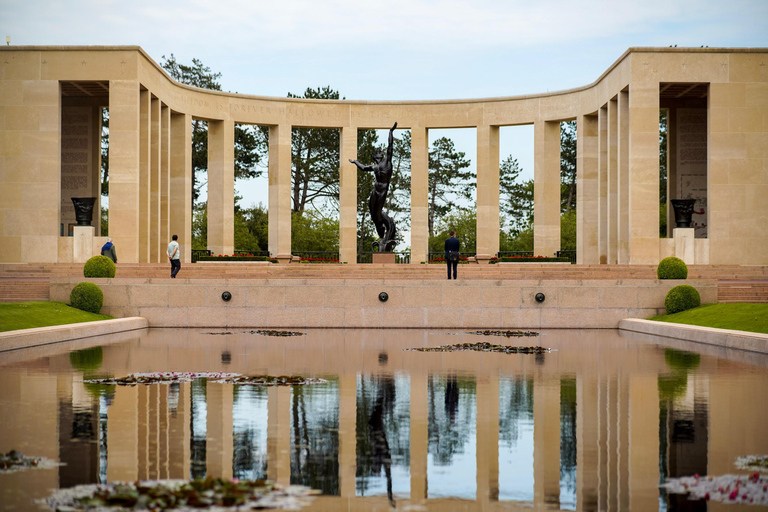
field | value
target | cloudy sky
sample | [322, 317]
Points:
[395, 49]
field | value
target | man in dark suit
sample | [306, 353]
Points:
[452, 254]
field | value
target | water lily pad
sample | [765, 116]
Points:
[730, 489]
[15, 461]
[483, 347]
[753, 463]
[506, 334]
[269, 332]
[219, 377]
[269, 380]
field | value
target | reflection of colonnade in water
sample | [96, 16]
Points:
[147, 439]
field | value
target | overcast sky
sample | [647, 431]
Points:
[396, 49]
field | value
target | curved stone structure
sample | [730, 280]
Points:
[50, 97]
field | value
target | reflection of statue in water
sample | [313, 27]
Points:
[382, 456]
[382, 171]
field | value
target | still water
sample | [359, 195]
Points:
[594, 425]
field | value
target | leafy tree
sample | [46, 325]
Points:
[516, 198]
[313, 232]
[663, 136]
[200, 226]
[104, 152]
[104, 221]
[448, 178]
[315, 161]
[567, 166]
[568, 231]
[255, 221]
[464, 222]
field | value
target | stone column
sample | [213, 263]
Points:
[348, 196]
[643, 166]
[488, 438]
[154, 183]
[347, 434]
[419, 195]
[280, 191]
[145, 143]
[643, 440]
[546, 188]
[586, 190]
[124, 184]
[179, 435]
[613, 182]
[221, 187]
[181, 184]
[546, 442]
[602, 184]
[419, 437]
[623, 177]
[123, 427]
[487, 192]
[165, 178]
[586, 443]
[279, 434]
[219, 448]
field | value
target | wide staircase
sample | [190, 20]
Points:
[736, 283]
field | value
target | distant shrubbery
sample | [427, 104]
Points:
[99, 266]
[672, 268]
[87, 297]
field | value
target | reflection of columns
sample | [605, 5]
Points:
[165, 177]
[623, 166]
[280, 190]
[143, 432]
[644, 170]
[419, 437]
[123, 429]
[487, 190]
[154, 184]
[546, 442]
[602, 184]
[613, 186]
[586, 190]
[488, 438]
[611, 418]
[603, 401]
[546, 188]
[221, 187]
[179, 434]
[586, 443]
[124, 183]
[623, 442]
[144, 174]
[348, 196]
[219, 449]
[181, 183]
[643, 441]
[279, 434]
[419, 195]
[347, 434]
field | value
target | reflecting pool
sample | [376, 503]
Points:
[596, 424]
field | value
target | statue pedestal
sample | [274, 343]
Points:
[384, 257]
[83, 243]
[684, 245]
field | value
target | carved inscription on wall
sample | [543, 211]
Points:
[692, 163]
[76, 161]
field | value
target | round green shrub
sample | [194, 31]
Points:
[672, 268]
[99, 266]
[682, 298]
[87, 297]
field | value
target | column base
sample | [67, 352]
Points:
[283, 259]
[384, 257]
[684, 245]
[483, 259]
[83, 243]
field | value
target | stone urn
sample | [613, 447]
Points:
[83, 210]
[683, 212]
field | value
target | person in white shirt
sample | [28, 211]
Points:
[173, 255]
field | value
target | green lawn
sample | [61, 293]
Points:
[26, 315]
[738, 316]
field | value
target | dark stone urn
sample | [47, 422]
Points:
[83, 210]
[683, 212]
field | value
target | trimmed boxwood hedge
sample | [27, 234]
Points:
[682, 298]
[87, 297]
[99, 266]
[672, 268]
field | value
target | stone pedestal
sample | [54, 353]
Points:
[384, 257]
[482, 259]
[684, 244]
[283, 259]
[83, 244]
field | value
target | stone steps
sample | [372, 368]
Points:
[23, 289]
[742, 291]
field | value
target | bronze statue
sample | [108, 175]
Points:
[382, 171]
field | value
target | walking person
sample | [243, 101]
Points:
[452, 253]
[173, 255]
[108, 250]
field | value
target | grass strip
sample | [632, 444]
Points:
[28, 315]
[736, 316]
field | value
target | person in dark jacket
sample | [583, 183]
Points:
[452, 254]
[108, 250]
